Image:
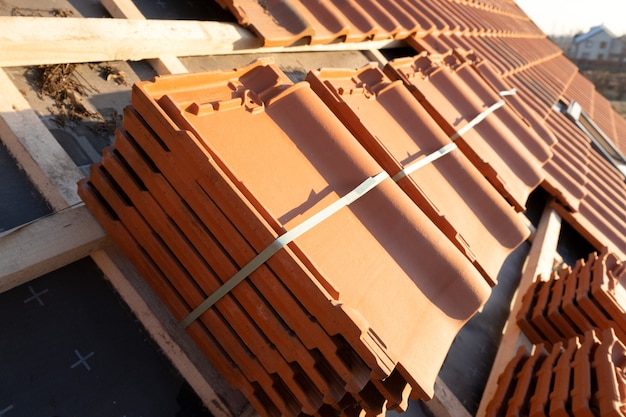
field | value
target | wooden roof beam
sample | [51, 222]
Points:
[26, 40]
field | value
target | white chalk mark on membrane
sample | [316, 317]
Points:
[36, 296]
[6, 410]
[82, 360]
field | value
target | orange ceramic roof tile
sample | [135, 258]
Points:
[606, 177]
[580, 300]
[213, 219]
[607, 288]
[366, 20]
[555, 312]
[526, 80]
[197, 126]
[424, 24]
[524, 316]
[594, 228]
[390, 26]
[298, 21]
[473, 19]
[403, 20]
[610, 222]
[506, 115]
[609, 362]
[538, 404]
[559, 395]
[533, 97]
[574, 159]
[568, 301]
[228, 332]
[592, 308]
[438, 23]
[490, 145]
[582, 91]
[583, 379]
[453, 24]
[485, 50]
[516, 101]
[525, 383]
[539, 316]
[561, 186]
[506, 384]
[269, 188]
[611, 210]
[396, 130]
[551, 79]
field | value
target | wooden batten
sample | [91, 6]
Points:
[49, 40]
[540, 262]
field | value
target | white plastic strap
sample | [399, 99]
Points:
[414, 166]
[495, 106]
[283, 240]
[510, 92]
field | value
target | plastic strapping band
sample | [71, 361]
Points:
[282, 241]
[510, 92]
[484, 114]
[414, 166]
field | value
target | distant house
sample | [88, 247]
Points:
[598, 48]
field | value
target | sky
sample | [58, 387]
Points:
[568, 17]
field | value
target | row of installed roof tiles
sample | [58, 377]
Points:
[297, 21]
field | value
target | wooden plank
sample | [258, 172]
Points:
[126, 9]
[193, 365]
[540, 261]
[445, 403]
[42, 246]
[47, 164]
[49, 40]
[51, 242]
[169, 335]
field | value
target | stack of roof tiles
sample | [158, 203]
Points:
[210, 171]
[354, 315]
[575, 300]
[575, 320]
[583, 376]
